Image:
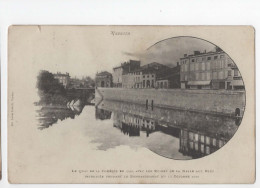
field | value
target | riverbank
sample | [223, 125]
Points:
[222, 102]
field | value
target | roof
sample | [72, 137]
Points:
[203, 54]
[104, 73]
[153, 64]
[202, 83]
[151, 68]
[117, 67]
[125, 64]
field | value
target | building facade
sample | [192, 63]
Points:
[117, 76]
[197, 144]
[237, 81]
[144, 77]
[207, 70]
[168, 78]
[132, 125]
[124, 69]
[104, 79]
[63, 79]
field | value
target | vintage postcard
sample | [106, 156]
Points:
[131, 104]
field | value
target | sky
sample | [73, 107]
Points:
[84, 51]
[169, 51]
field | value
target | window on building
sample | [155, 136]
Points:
[215, 75]
[202, 138]
[202, 148]
[203, 76]
[207, 140]
[203, 66]
[207, 150]
[216, 57]
[190, 135]
[148, 83]
[235, 72]
[191, 145]
[209, 58]
[214, 142]
[229, 73]
[197, 76]
[197, 66]
[143, 76]
[221, 75]
[192, 67]
[208, 65]
[193, 60]
[196, 146]
[208, 76]
[220, 143]
[186, 68]
[196, 137]
[219, 65]
[222, 56]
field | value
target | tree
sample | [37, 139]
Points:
[47, 84]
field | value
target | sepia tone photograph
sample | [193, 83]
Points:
[130, 104]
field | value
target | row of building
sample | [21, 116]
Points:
[132, 75]
[210, 70]
[191, 143]
[200, 70]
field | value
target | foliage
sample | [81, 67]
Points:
[49, 85]
[50, 90]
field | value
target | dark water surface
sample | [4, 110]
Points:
[169, 133]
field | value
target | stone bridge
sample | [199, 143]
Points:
[84, 94]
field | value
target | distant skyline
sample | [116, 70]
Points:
[84, 51]
[169, 51]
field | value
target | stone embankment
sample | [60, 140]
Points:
[225, 102]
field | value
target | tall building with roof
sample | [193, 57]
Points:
[123, 69]
[208, 70]
[104, 79]
[144, 77]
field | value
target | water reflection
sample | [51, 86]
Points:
[198, 134]
[174, 134]
[50, 114]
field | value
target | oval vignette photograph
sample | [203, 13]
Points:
[182, 98]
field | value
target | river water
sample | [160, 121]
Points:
[173, 134]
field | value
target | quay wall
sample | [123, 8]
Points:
[209, 101]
